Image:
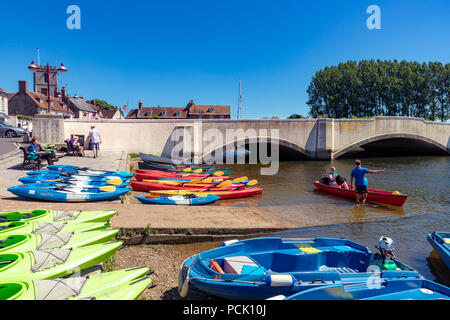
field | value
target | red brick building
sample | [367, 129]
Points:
[191, 111]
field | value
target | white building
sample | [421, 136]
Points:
[3, 104]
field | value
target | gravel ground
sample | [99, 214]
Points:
[165, 261]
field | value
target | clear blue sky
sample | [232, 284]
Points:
[167, 52]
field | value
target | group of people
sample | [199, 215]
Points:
[361, 182]
[94, 139]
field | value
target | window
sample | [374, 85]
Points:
[149, 113]
[210, 110]
[177, 114]
[44, 91]
[163, 113]
[51, 103]
[221, 117]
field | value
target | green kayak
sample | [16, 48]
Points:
[116, 285]
[33, 242]
[19, 227]
[51, 264]
[57, 216]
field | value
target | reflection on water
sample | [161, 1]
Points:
[425, 180]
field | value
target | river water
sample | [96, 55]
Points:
[291, 194]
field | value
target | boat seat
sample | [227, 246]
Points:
[337, 269]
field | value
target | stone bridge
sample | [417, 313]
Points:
[320, 139]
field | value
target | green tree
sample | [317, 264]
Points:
[102, 104]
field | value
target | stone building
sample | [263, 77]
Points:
[30, 103]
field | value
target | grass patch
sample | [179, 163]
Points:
[134, 155]
[109, 264]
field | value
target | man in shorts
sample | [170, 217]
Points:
[95, 140]
[361, 182]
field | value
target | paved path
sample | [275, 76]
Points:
[7, 145]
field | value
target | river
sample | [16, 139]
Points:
[291, 194]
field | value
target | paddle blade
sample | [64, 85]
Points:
[207, 180]
[198, 170]
[252, 182]
[224, 184]
[218, 173]
[107, 188]
[237, 180]
[114, 182]
[187, 170]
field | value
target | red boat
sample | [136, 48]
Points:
[155, 174]
[147, 186]
[374, 195]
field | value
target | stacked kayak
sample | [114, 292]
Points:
[223, 194]
[42, 252]
[374, 195]
[163, 185]
[158, 159]
[20, 227]
[67, 193]
[155, 174]
[125, 284]
[188, 200]
[32, 242]
[88, 172]
[43, 215]
[262, 268]
[53, 263]
[440, 241]
[411, 289]
[64, 183]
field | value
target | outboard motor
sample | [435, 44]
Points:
[386, 247]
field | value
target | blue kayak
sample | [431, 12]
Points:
[88, 172]
[440, 241]
[411, 289]
[57, 176]
[71, 183]
[180, 200]
[68, 195]
[265, 267]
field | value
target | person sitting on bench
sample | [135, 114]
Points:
[76, 145]
[36, 148]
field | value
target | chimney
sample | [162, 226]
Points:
[140, 104]
[23, 86]
[63, 92]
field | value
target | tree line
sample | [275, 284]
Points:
[372, 88]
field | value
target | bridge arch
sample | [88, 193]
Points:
[397, 141]
[288, 149]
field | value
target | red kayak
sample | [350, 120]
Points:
[374, 195]
[223, 194]
[147, 186]
[157, 174]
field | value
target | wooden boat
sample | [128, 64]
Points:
[374, 195]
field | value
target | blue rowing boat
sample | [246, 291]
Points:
[411, 289]
[440, 242]
[66, 194]
[186, 200]
[153, 158]
[265, 267]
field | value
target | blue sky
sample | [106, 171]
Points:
[168, 52]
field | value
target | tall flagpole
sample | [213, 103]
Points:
[240, 101]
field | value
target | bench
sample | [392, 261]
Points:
[30, 159]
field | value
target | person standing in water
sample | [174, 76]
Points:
[361, 182]
[95, 140]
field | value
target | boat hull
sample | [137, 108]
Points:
[438, 242]
[374, 195]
